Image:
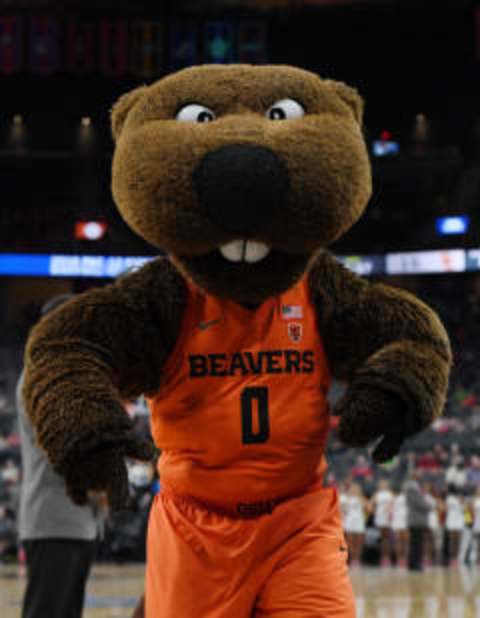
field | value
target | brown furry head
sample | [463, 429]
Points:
[241, 173]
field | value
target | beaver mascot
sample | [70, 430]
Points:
[243, 176]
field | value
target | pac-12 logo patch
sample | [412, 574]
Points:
[295, 331]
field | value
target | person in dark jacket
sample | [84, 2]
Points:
[418, 509]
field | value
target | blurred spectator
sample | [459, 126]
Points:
[454, 524]
[140, 474]
[476, 525]
[399, 528]
[441, 455]
[10, 473]
[473, 472]
[428, 462]
[356, 509]
[455, 453]
[7, 529]
[433, 533]
[3, 442]
[382, 502]
[466, 539]
[456, 475]
[362, 470]
[418, 509]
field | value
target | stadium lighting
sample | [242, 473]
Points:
[86, 135]
[452, 225]
[385, 146]
[421, 131]
[90, 230]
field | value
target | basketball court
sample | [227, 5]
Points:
[381, 593]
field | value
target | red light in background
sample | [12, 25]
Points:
[385, 136]
[90, 230]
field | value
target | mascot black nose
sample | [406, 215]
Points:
[241, 187]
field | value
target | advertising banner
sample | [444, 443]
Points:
[425, 262]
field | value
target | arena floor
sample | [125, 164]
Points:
[386, 593]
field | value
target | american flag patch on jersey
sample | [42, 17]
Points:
[292, 312]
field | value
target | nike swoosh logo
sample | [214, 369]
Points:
[206, 325]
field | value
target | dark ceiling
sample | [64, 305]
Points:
[156, 7]
[405, 58]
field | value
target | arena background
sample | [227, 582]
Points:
[64, 63]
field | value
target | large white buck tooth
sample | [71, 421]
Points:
[256, 251]
[249, 251]
[233, 251]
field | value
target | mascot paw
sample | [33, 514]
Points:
[368, 413]
[104, 469]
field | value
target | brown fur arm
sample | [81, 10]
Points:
[85, 358]
[389, 346]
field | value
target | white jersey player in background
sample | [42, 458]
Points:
[356, 508]
[454, 523]
[383, 503]
[433, 535]
[476, 526]
[400, 528]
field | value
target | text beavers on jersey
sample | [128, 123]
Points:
[245, 363]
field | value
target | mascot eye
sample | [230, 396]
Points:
[286, 109]
[195, 113]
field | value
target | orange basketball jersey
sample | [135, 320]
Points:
[241, 414]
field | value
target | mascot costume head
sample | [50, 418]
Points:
[243, 176]
[241, 173]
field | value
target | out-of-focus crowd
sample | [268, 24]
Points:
[378, 525]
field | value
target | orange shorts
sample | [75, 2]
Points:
[291, 563]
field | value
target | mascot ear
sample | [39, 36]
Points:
[122, 108]
[349, 96]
